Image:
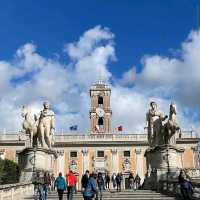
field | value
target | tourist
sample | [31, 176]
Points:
[113, 178]
[85, 179]
[52, 182]
[71, 184]
[186, 186]
[100, 184]
[46, 184]
[38, 185]
[61, 185]
[137, 182]
[107, 181]
[118, 181]
[91, 189]
[131, 181]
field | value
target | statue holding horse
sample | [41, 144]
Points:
[39, 129]
[159, 131]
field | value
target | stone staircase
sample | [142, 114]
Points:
[124, 195]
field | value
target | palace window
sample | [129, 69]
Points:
[127, 153]
[73, 154]
[100, 154]
[100, 101]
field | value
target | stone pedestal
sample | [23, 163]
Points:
[35, 159]
[164, 163]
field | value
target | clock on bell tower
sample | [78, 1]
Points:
[100, 112]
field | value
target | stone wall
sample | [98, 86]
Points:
[16, 191]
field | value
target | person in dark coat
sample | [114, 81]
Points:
[118, 181]
[100, 184]
[107, 180]
[186, 186]
[85, 179]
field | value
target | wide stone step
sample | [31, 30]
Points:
[124, 195]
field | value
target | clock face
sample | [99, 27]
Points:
[100, 112]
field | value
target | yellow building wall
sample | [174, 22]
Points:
[133, 160]
[188, 158]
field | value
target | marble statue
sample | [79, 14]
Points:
[46, 125]
[171, 127]
[39, 129]
[29, 125]
[154, 120]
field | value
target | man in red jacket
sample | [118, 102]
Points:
[71, 184]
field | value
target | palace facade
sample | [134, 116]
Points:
[102, 150]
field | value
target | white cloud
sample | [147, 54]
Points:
[128, 78]
[30, 78]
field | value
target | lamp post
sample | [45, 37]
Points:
[168, 169]
[34, 161]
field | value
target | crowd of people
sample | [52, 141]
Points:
[93, 184]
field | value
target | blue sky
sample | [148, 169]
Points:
[140, 27]
[54, 50]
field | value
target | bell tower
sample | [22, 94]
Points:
[100, 111]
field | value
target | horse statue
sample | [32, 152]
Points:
[29, 125]
[171, 127]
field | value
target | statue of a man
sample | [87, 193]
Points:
[46, 125]
[154, 120]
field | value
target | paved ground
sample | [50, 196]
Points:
[125, 195]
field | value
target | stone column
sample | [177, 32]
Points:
[85, 160]
[114, 161]
[196, 161]
[139, 164]
[61, 162]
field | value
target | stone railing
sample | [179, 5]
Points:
[189, 134]
[173, 188]
[16, 191]
[101, 137]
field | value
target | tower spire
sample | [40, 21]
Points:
[100, 77]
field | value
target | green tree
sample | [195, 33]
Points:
[9, 172]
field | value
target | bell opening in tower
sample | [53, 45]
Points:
[100, 101]
[101, 124]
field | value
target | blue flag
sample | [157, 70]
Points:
[73, 128]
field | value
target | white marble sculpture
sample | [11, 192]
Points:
[154, 119]
[160, 133]
[46, 125]
[29, 125]
[39, 129]
[171, 127]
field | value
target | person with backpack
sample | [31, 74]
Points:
[61, 186]
[71, 184]
[91, 189]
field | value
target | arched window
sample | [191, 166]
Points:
[100, 121]
[100, 101]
